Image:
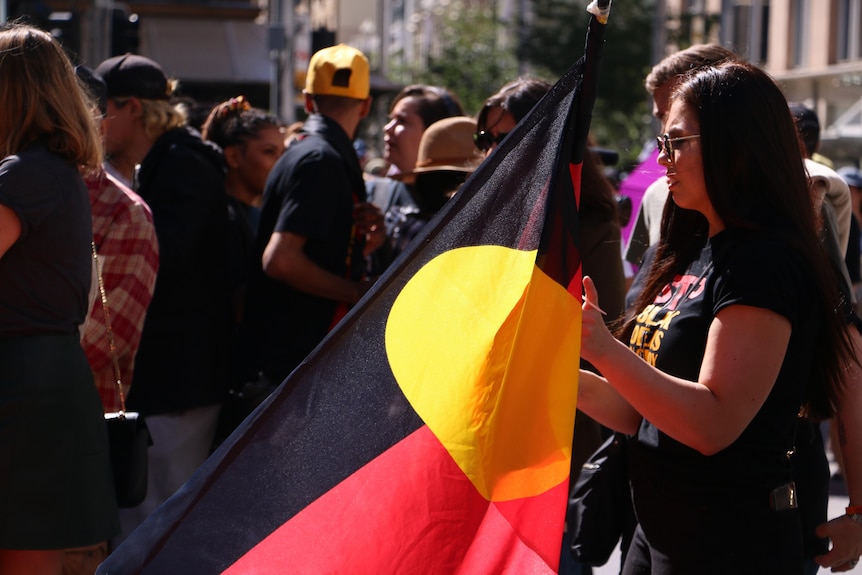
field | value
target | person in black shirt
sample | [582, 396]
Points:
[182, 365]
[55, 473]
[251, 141]
[316, 229]
[735, 316]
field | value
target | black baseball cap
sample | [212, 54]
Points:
[95, 85]
[132, 75]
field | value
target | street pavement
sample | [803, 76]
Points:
[837, 503]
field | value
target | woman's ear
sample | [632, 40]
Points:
[232, 157]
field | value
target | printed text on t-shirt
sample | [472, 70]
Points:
[655, 319]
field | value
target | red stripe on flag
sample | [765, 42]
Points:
[412, 510]
[575, 170]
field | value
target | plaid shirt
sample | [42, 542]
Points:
[129, 258]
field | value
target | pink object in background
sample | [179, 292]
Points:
[636, 184]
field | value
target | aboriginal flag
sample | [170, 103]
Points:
[430, 432]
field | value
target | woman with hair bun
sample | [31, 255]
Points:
[252, 141]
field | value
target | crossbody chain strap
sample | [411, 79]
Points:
[104, 297]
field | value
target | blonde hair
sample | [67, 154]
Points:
[159, 116]
[42, 100]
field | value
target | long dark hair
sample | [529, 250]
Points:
[518, 97]
[756, 180]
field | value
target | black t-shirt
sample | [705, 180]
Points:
[310, 192]
[45, 275]
[242, 226]
[694, 504]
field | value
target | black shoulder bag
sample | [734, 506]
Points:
[128, 435]
[600, 503]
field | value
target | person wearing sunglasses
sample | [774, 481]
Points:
[732, 334]
[665, 143]
[811, 467]
[502, 111]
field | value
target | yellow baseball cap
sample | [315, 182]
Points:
[339, 71]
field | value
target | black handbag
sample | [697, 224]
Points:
[129, 439]
[128, 435]
[599, 509]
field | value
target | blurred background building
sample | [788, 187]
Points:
[260, 48]
[812, 47]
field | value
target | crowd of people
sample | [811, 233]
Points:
[227, 255]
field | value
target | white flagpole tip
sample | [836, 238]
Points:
[599, 12]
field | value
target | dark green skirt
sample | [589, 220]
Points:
[56, 489]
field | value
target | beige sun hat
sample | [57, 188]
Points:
[447, 145]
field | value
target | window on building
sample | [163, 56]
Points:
[799, 17]
[749, 29]
[849, 30]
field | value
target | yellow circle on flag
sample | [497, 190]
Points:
[486, 348]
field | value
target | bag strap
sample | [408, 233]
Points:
[104, 299]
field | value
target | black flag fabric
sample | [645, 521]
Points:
[430, 432]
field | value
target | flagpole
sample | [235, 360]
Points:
[599, 10]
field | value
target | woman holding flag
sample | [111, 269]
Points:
[735, 315]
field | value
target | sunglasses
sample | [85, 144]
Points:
[665, 144]
[486, 140]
